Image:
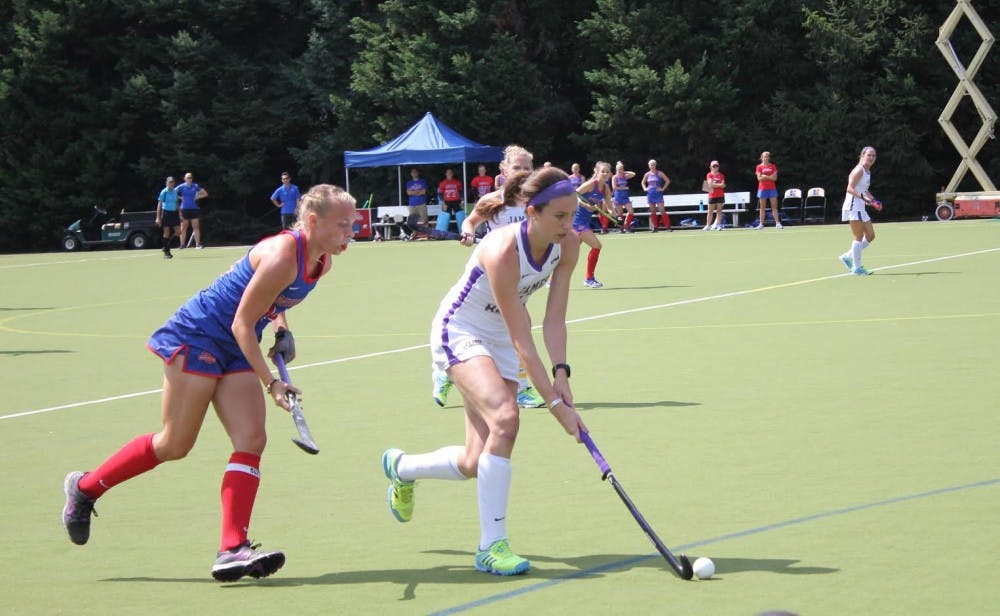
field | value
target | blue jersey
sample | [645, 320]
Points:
[188, 194]
[209, 315]
[417, 185]
[289, 197]
[620, 183]
[581, 219]
[169, 198]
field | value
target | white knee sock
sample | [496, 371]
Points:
[494, 489]
[856, 253]
[865, 243]
[440, 464]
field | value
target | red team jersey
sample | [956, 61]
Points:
[768, 169]
[717, 177]
[451, 190]
[482, 184]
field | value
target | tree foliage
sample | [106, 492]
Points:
[100, 99]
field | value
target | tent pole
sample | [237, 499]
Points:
[347, 179]
[465, 187]
[399, 183]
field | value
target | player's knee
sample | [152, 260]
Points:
[507, 422]
[168, 449]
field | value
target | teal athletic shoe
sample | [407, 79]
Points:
[498, 559]
[848, 261]
[860, 271]
[442, 387]
[400, 493]
[528, 398]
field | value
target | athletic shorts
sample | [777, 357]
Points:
[769, 193]
[202, 355]
[170, 218]
[717, 200]
[452, 207]
[621, 197]
[460, 344]
[654, 197]
[848, 214]
[581, 227]
[288, 220]
[189, 213]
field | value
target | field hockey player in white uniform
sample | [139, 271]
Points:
[480, 332]
[856, 202]
[493, 212]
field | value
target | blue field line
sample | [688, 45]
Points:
[622, 564]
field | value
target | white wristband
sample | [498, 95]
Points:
[555, 403]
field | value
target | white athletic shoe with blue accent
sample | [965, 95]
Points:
[860, 271]
[848, 261]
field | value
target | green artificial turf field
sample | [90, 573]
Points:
[829, 440]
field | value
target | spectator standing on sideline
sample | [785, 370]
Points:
[499, 179]
[654, 182]
[211, 354]
[480, 332]
[451, 191]
[287, 197]
[857, 199]
[190, 194]
[482, 184]
[416, 196]
[167, 216]
[716, 197]
[767, 189]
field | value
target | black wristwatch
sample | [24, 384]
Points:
[558, 366]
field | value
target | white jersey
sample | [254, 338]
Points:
[507, 215]
[470, 306]
[850, 201]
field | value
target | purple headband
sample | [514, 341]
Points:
[559, 189]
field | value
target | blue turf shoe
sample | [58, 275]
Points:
[400, 493]
[848, 261]
[529, 398]
[592, 283]
[860, 271]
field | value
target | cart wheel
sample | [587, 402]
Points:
[138, 241]
[70, 243]
[944, 211]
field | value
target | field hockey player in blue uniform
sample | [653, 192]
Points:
[211, 353]
[480, 332]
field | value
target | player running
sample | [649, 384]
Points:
[211, 351]
[479, 333]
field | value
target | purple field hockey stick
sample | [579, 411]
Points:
[305, 440]
[680, 563]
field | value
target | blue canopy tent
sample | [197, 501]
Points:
[428, 142]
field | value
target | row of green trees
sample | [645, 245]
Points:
[100, 99]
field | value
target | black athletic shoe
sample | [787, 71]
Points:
[79, 507]
[244, 559]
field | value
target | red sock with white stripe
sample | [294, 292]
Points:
[595, 254]
[665, 220]
[628, 221]
[134, 458]
[239, 490]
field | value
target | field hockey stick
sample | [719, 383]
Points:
[600, 210]
[305, 440]
[679, 563]
[190, 239]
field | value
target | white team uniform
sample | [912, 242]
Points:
[507, 215]
[854, 208]
[468, 322]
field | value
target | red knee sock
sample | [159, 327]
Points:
[628, 221]
[653, 220]
[604, 221]
[595, 254]
[665, 220]
[239, 490]
[134, 458]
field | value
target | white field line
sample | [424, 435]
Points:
[683, 302]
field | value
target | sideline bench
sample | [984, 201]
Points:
[693, 204]
[389, 218]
